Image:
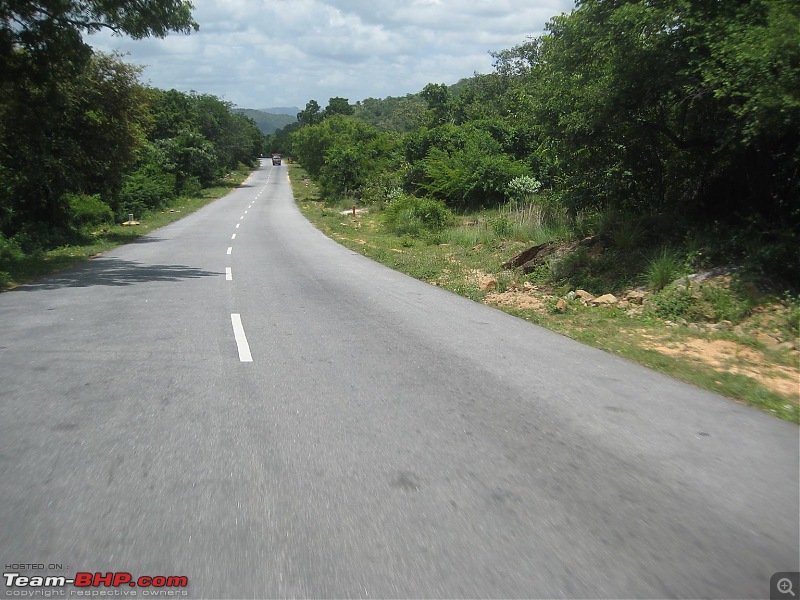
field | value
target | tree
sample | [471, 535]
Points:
[35, 34]
[338, 106]
[310, 115]
[76, 134]
[440, 107]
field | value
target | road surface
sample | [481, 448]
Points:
[239, 400]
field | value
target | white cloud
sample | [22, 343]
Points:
[259, 53]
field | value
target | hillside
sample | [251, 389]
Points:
[266, 122]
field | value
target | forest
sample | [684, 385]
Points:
[667, 126]
[83, 143]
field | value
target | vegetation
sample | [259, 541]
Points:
[649, 147]
[718, 334]
[83, 143]
[665, 127]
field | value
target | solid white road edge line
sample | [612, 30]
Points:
[241, 338]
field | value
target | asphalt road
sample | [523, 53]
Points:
[385, 439]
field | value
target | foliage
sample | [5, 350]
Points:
[39, 37]
[344, 154]
[522, 189]
[76, 134]
[708, 302]
[663, 269]
[88, 210]
[463, 165]
[412, 216]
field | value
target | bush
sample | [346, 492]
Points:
[412, 216]
[521, 189]
[86, 210]
[663, 269]
[10, 251]
[146, 189]
[710, 302]
[672, 303]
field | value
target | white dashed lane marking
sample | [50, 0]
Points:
[241, 338]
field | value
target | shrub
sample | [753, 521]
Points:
[412, 216]
[672, 302]
[9, 250]
[663, 269]
[146, 189]
[501, 226]
[521, 189]
[86, 210]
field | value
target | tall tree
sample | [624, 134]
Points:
[37, 33]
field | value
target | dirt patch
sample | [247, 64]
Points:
[730, 357]
[516, 299]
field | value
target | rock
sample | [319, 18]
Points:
[561, 305]
[726, 325]
[477, 247]
[488, 284]
[635, 297]
[623, 304]
[570, 296]
[694, 327]
[584, 296]
[526, 256]
[605, 300]
[528, 286]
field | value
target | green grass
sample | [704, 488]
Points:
[25, 267]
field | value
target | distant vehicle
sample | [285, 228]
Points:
[276, 159]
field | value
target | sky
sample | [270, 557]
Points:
[268, 53]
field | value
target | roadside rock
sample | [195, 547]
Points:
[488, 284]
[561, 305]
[584, 296]
[605, 300]
[635, 297]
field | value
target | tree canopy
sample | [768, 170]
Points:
[675, 112]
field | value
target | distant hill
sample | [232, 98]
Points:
[281, 110]
[268, 122]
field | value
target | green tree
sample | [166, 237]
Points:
[76, 134]
[34, 35]
[338, 106]
[310, 115]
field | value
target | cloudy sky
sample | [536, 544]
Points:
[264, 53]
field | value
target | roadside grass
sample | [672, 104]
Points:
[466, 259]
[22, 268]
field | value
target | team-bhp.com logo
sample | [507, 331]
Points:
[89, 584]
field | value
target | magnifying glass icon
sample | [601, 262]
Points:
[785, 586]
